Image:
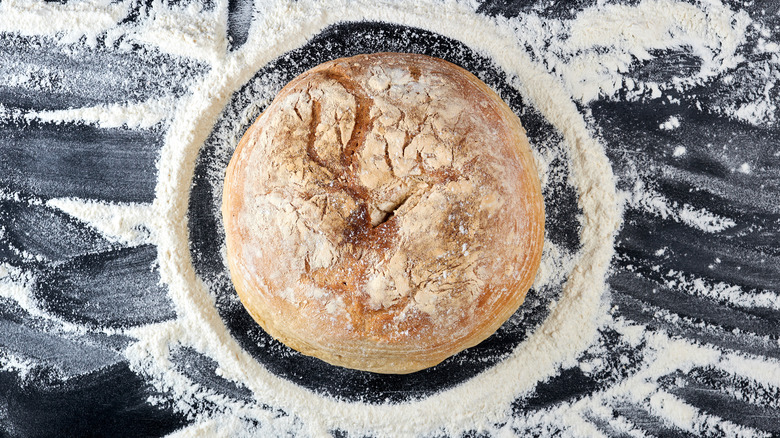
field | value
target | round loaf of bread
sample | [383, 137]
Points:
[383, 213]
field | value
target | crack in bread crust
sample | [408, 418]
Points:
[383, 204]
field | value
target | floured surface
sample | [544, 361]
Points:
[682, 98]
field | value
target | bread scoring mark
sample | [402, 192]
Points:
[363, 103]
[314, 121]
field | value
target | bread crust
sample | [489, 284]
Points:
[383, 213]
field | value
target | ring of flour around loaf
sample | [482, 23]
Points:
[383, 213]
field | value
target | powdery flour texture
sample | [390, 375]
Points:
[655, 311]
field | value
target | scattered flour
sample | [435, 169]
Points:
[191, 30]
[71, 20]
[21, 366]
[15, 284]
[124, 223]
[720, 291]
[572, 48]
[671, 123]
[653, 202]
[754, 113]
[553, 63]
[188, 31]
[641, 33]
[130, 115]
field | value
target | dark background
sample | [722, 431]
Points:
[83, 386]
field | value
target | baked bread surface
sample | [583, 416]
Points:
[383, 213]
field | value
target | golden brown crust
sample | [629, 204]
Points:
[383, 213]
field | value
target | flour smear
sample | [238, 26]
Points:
[557, 65]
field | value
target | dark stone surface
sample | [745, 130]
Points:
[109, 402]
[52, 161]
[83, 387]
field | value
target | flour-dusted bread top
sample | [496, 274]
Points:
[383, 213]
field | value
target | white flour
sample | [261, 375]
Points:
[124, 223]
[553, 64]
[670, 124]
[653, 202]
[130, 115]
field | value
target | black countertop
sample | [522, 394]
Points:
[82, 385]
